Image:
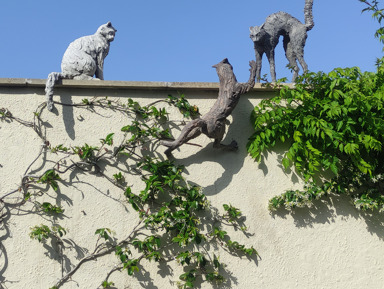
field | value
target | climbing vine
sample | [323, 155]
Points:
[331, 124]
[171, 213]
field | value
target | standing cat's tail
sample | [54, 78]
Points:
[308, 14]
[53, 77]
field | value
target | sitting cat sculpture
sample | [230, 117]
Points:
[266, 38]
[83, 59]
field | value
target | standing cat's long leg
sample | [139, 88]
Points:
[258, 65]
[271, 58]
[290, 54]
[300, 58]
[300, 39]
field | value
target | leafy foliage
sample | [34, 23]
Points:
[104, 233]
[50, 208]
[50, 177]
[180, 218]
[107, 284]
[330, 123]
[5, 114]
[171, 212]
[86, 152]
[183, 105]
[118, 177]
[377, 13]
[232, 213]
[42, 233]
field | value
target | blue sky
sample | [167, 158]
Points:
[178, 40]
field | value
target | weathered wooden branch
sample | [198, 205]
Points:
[212, 124]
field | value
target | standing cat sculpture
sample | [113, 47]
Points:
[266, 38]
[83, 59]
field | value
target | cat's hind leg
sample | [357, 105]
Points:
[271, 58]
[300, 57]
[291, 56]
[216, 130]
[296, 47]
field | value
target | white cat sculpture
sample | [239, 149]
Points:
[83, 59]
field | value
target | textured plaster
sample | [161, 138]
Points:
[322, 247]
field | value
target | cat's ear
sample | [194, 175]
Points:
[109, 25]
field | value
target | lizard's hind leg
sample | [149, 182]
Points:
[192, 130]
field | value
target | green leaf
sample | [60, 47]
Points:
[108, 140]
[107, 284]
[297, 136]
[351, 148]
[286, 163]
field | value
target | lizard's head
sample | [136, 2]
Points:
[224, 69]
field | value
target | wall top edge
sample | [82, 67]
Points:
[108, 84]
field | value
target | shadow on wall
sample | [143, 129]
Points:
[326, 210]
[232, 162]
[5, 234]
[67, 112]
[68, 115]
[66, 102]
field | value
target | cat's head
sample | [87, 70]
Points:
[256, 33]
[107, 31]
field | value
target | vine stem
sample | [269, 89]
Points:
[110, 273]
[374, 7]
[96, 255]
[43, 146]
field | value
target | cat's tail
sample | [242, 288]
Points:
[308, 14]
[53, 77]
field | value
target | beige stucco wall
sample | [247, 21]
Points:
[331, 245]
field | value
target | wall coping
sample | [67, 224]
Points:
[129, 85]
